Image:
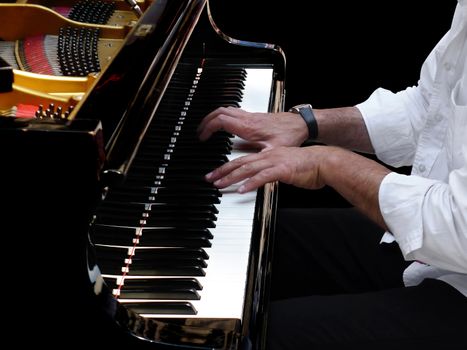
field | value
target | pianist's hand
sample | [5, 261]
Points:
[298, 166]
[355, 177]
[266, 130]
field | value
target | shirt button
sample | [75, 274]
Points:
[421, 168]
[447, 66]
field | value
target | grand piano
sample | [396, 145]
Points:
[114, 238]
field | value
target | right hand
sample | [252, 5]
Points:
[297, 166]
[266, 130]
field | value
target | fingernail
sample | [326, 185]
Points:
[217, 182]
[241, 189]
[208, 176]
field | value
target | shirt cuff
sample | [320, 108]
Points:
[388, 126]
[401, 200]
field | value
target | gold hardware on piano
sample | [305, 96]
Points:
[44, 72]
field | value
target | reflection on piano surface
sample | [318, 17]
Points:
[152, 255]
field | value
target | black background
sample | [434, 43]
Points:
[339, 52]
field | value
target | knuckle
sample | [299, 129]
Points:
[246, 167]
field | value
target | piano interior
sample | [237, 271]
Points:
[148, 241]
[56, 49]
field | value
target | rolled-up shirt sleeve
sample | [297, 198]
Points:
[394, 120]
[389, 125]
[428, 217]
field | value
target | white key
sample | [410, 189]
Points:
[224, 285]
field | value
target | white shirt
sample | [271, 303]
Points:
[426, 126]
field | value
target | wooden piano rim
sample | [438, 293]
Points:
[23, 20]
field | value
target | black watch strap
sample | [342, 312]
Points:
[306, 111]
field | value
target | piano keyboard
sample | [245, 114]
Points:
[195, 265]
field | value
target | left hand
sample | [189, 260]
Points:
[265, 130]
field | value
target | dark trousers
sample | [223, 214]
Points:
[334, 286]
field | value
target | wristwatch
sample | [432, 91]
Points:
[306, 111]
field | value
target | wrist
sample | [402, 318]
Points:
[307, 114]
[333, 158]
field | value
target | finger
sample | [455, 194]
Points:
[215, 113]
[266, 147]
[263, 177]
[243, 172]
[228, 167]
[233, 112]
[210, 116]
[221, 122]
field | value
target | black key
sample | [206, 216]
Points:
[162, 308]
[195, 198]
[151, 237]
[167, 253]
[167, 283]
[166, 270]
[159, 293]
[163, 221]
[157, 207]
[160, 288]
[140, 211]
[110, 267]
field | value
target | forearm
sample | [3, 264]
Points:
[356, 178]
[343, 127]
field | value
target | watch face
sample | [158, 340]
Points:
[297, 108]
[304, 106]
